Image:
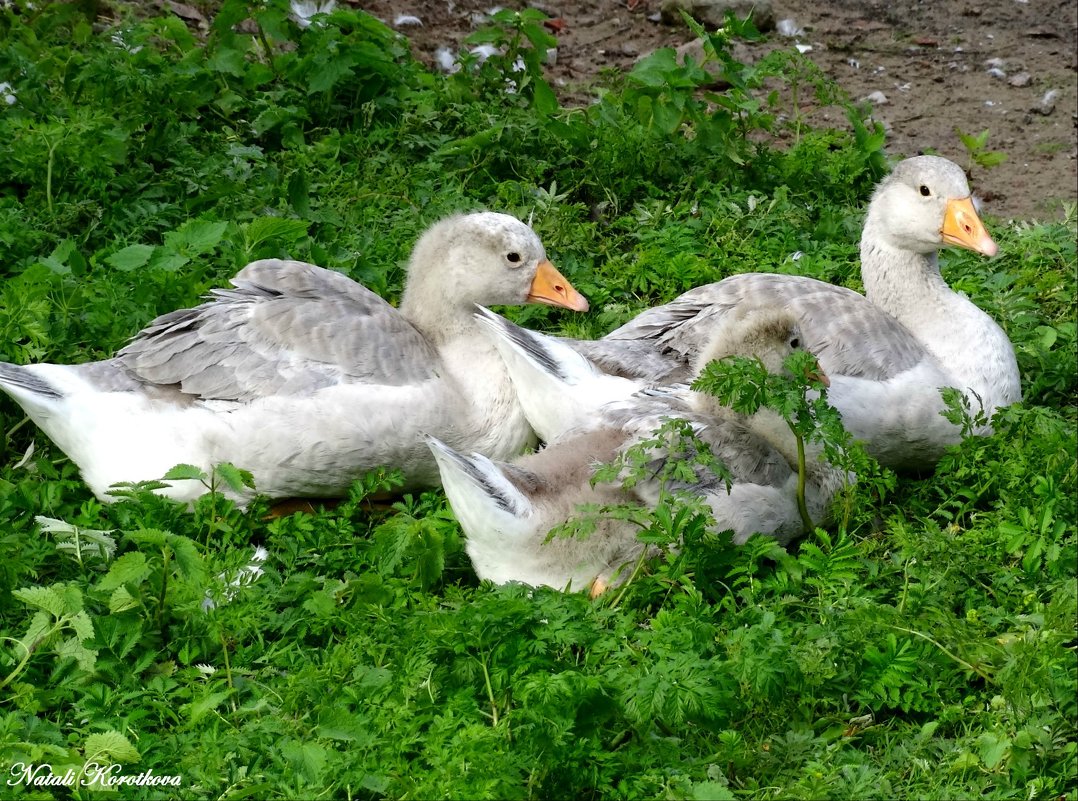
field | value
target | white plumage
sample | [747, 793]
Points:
[305, 377]
[887, 352]
[506, 509]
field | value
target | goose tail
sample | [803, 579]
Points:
[557, 387]
[488, 506]
[25, 386]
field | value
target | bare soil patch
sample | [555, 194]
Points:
[970, 64]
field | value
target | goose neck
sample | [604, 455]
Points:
[436, 317]
[905, 284]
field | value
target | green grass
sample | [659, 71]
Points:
[925, 649]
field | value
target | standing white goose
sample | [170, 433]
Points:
[305, 377]
[506, 510]
[887, 352]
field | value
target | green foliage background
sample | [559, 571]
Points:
[925, 648]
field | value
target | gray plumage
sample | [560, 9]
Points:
[288, 328]
[506, 509]
[670, 335]
[21, 379]
[304, 377]
[888, 352]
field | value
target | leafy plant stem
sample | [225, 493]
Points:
[19, 667]
[947, 653]
[160, 615]
[11, 431]
[59, 624]
[228, 664]
[802, 506]
[636, 571]
[795, 99]
[490, 693]
[269, 50]
[48, 173]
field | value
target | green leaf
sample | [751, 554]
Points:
[195, 237]
[229, 60]
[330, 71]
[130, 568]
[546, 102]
[299, 193]
[57, 260]
[149, 536]
[42, 625]
[273, 117]
[110, 746]
[45, 598]
[82, 625]
[82, 544]
[183, 472]
[992, 748]
[667, 116]
[991, 158]
[167, 260]
[339, 724]
[230, 13]
[121, 600]
[712, 791]
[654, 70]
[196, 710]
[278, 230]
[236, 479]
[188, 559]
[306, 757]
[72, 648]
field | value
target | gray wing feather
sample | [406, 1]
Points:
[748, 456]
[847, 333]
[288, 328]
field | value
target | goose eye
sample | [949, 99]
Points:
[925, 191]
[795, 343]
[514, 257]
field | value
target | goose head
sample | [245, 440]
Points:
[923, 205]
[771, 335]
[486, 258]
[768, 334]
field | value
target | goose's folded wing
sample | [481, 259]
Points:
[288, 328]
[746, 455]
[847, 333]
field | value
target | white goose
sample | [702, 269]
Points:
[506, 510]
[887, 352]
[305, 377]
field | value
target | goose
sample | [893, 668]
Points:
[305, 377]
[507, 509]
[887, 352]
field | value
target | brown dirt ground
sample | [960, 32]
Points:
[930, 59]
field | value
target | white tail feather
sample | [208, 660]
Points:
[487, 505]
[558, 388]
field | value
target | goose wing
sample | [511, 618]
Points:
[847, 333]
[287, 328]
[748, 457]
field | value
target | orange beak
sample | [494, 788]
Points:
[962, 227]
[598, 587]
[818, 374]
[550, 287]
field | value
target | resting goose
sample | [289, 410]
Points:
[506, 509]
[305, 377]
[887, 352]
